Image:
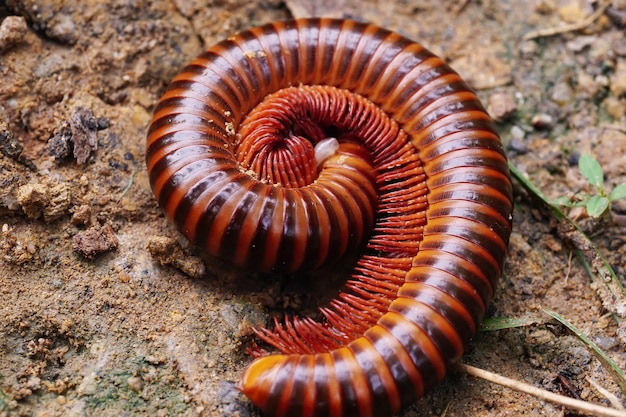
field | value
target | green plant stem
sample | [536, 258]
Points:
[604, 269]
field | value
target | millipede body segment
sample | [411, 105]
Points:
[416, 170]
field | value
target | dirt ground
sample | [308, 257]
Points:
[92, 322]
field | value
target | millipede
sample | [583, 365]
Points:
[290, 145]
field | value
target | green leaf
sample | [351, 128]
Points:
[597, 205]
[591, 169]
[618, 192]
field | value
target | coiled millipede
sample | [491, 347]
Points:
[231, 155]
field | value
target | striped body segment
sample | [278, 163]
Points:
[419, 173]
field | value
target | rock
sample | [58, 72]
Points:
[167, 251]
[542, 121]
[32, 198]
[95, 241]
[501, 106]
[12, 31]
[561, 93]
[37, 199]
[135, 383]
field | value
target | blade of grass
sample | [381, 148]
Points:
[499, 323]
[536, 191]
[618, 375]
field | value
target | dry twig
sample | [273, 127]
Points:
[615, 402]
[570, 403]
[568, 28]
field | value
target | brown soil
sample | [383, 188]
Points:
[92, 323]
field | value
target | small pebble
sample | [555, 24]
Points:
[12, 31]
[615, 107]
[553, 244]
[39, 199]
[542, 121]
[528, 49]
[519, 243]
[94, 241]
[572, 159]
[587, 85]
[82, 215]
[572, 12]
[501, 106]
[602, 80]
[59, 203]
[517, 133]
[561, 93]
[62, 28]
[60, 143]
[617, 13]
[135, 383]
[580, 42]
[545, 6]
[606, 343]
[84, 139]
[32, 198]
[167, 251]
[518, 146]
[155, 359]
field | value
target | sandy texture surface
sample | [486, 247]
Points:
[92, 321]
